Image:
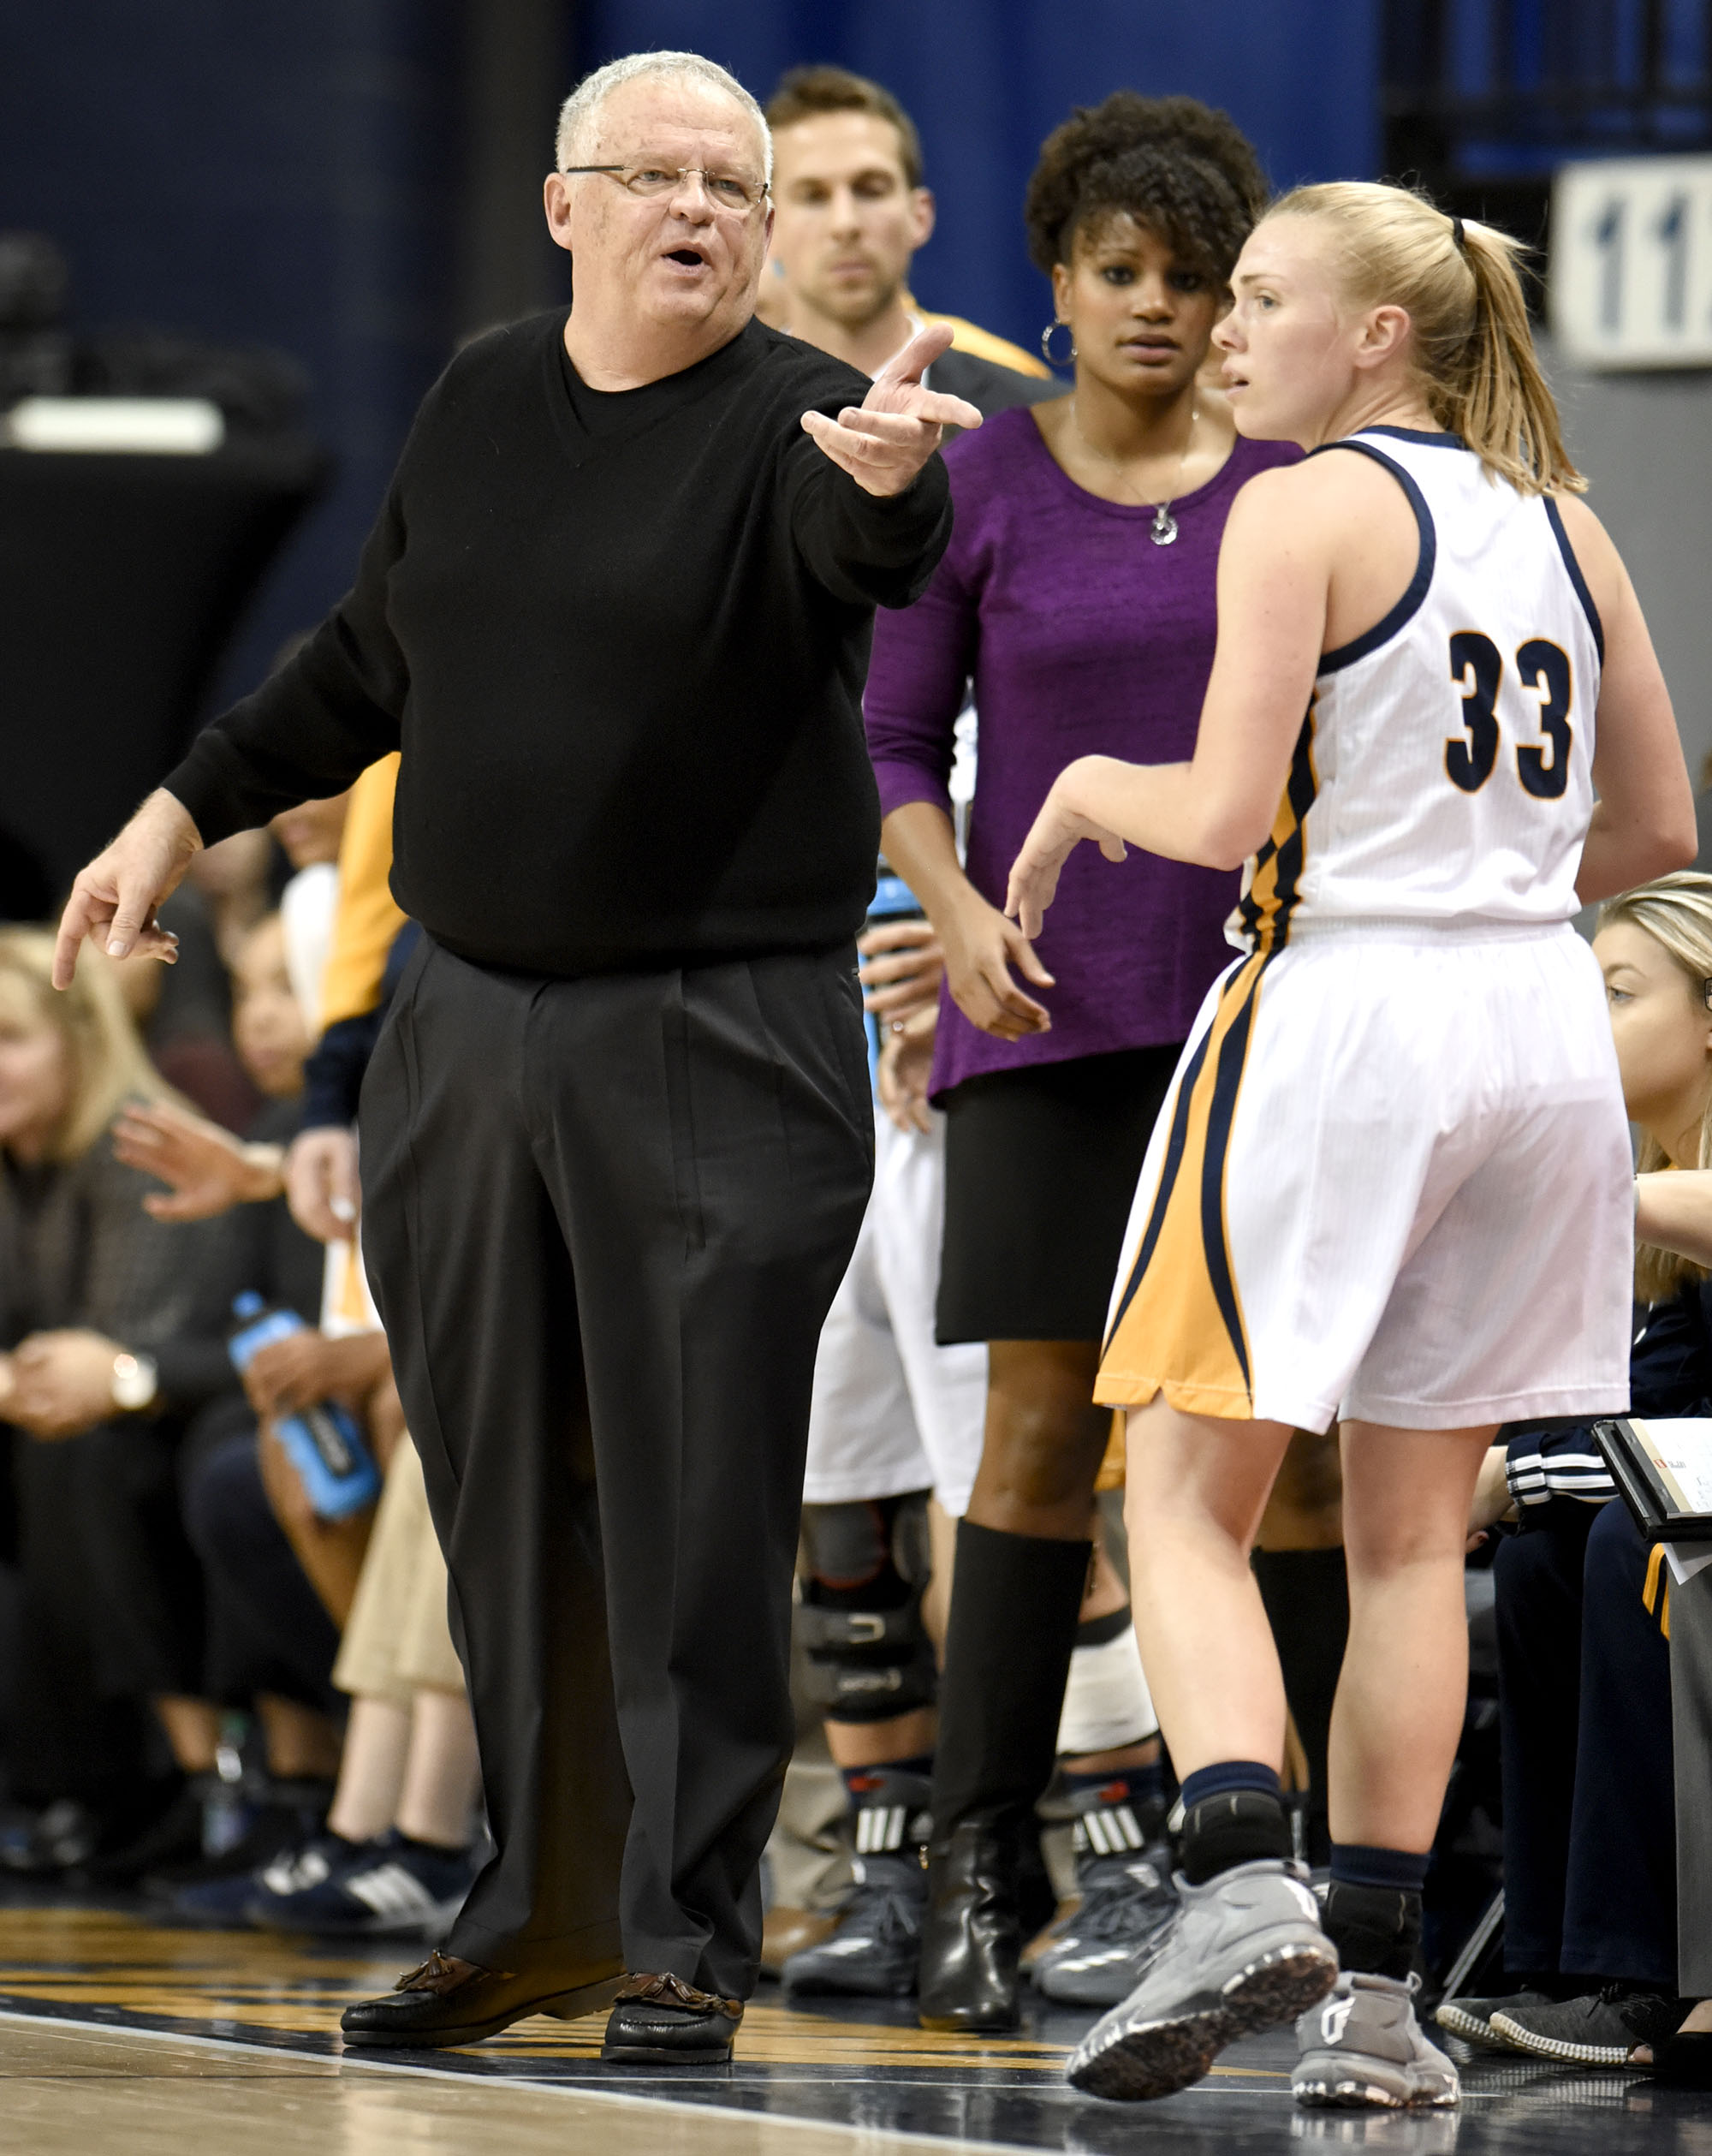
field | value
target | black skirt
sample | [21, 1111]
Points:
[1041, 1166]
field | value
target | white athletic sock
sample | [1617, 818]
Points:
[1107, 1703]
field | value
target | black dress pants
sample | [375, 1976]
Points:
[604, 1219]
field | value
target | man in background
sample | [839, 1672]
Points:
[850, 211]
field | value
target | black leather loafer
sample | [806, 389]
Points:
[983, 1901]
[447, 2001]
[661, 2021]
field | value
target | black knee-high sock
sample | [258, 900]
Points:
[1307, 1593]
[1014, 1600]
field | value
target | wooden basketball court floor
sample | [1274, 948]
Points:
[118, 2036]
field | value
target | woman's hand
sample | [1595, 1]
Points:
[906, 1061]
[1057, 829]
[902, 966]
[981, 946]
[207, 1169]
[289, 1375]
[61, 1383]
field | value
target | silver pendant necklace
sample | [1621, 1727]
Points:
[1163, 529]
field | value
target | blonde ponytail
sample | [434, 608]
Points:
[1473, 348]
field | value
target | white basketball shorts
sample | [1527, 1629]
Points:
[892, 1409]
[1393, 1181]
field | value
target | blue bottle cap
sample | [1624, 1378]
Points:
[247, 1304]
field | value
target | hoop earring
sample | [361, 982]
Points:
[1046, 343]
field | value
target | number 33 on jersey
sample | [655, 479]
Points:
[1444, 770]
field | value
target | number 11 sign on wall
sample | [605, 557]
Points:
[1631, 262]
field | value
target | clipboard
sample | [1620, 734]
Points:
[1663, 1468]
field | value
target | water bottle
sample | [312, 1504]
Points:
[322, 1442]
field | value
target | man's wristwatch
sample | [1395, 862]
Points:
[135, 1382]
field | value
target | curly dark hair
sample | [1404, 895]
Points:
[1184, 171]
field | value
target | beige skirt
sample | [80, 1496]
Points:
[398, 1641]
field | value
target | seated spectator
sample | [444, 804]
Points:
[397, 1855]
[399, 1852]
[272, 1637]
[1589, 1863]
[111, 1345]
[310, 837]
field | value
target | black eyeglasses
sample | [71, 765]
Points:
[725, 190]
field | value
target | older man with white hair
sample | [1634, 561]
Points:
[615, 1136]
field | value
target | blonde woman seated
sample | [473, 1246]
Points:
[111, 1346]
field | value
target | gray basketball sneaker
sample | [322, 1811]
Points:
[1123, 1873]
[1243, 1952]
[1362, 2049]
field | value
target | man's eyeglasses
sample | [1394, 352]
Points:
[724, 189]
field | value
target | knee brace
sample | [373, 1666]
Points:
[866, 1566]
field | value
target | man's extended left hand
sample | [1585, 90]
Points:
[883, 442]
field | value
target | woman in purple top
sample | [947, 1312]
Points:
[1078, 597]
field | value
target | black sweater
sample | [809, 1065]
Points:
[622, 640]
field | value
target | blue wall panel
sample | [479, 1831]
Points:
[987, 79]
[282, 172]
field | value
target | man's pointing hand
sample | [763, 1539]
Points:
[113, 901]
[883, 442]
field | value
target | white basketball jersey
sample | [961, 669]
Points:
[1444, 771]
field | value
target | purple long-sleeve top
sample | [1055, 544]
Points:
[1081, 637]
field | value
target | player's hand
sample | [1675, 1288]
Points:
[289, 1375]
[321, 1184]
[206, 1168]
[883, 442]
[902, 966]
[114, 900]
[1057, 832]
[906, 1061]
[981, 946]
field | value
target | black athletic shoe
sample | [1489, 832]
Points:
[289, 1813]
[59, 1838]
[1471, 2018]
[876, 1949]
[173, 1837]
[1592, 2032]
[392, 1888]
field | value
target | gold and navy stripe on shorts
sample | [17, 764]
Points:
[1274, 884]
[1178, 1324]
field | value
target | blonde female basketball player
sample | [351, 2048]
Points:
[1393, 1181]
